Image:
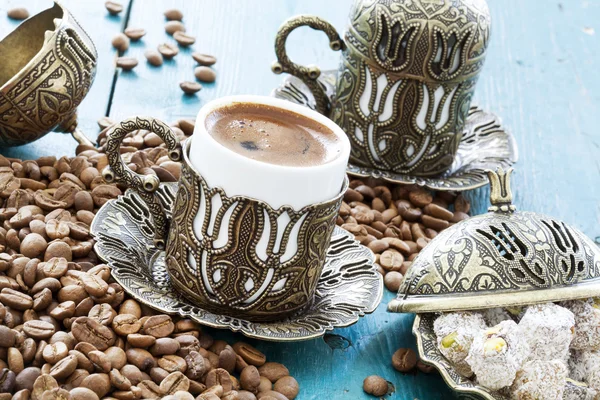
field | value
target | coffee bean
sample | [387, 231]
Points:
[197, 365]
[168, 50]
[89, 330]
[18, 13]
[404, 360]
[116, 356]
[15, 299]
[393, 280]
[273, 371]
[174, 382]
[184, 39]
[150, 390]
[288, 386]
[127, 64]
[434, 223]
[15, 360]
[158, 326]
[37, 329]
[118, 380]
[154, 57]
[113, 7]
[164, 346]
[204, 59]
[250, 378]
[120, 42]
[125, 324]
[58, 249]
[81, 393]
[189, 88]
[173, 14]
[174, 26]
[7, 336]
[205, 74]
[103, 313]
[64, 367]
[34, 245]
[140, 358]
[100, 361]
[246, 395]
[94, 285]
[250, 354]
[375, 385]
[42, 384]
[219, 377]
[135, 34]
[425, 368]
[98, 383]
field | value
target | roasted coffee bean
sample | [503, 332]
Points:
[15, 299]
[140, 358]
[404, 360]
[118, 380]
[184, 39]
[38, 329]
[98, 383]
[15, 360]
[287, 386]
[89, 330]
[158, 326]
[250, 354]
[174, 26]
[197, 365]
[164, 346]
[205, 74]
[135, 34]
[189, 88]
[113, 7]
[154, 57]
[375, 385]
[172, 363]
[55, 352]
[103, 313]
[18, 13]
[393, 280]
[64, 367]
[7, 336]
[100, 361]
[81, 393]
[26, 378]
[116, 356]
[126, 64]
[150, 390]
[219, 377]
[42, 384]
[137, 340]
[174, 382]
[120, 42]
[273, 371]
[204, 59]
[250, 378]
[168, 50]
[173, 14]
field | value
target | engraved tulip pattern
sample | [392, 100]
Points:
[243, 254]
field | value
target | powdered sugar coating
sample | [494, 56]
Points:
[548, 329]
[578, 391]
[463, 326]
[587, 324]
[591, 363]
[576, 366]
[496, 368]
[540, 380]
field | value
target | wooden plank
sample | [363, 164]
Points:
[101, 26]
[539, 77]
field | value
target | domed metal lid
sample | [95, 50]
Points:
[504, 258]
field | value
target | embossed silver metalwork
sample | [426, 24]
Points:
[47, 68]
[244, 258]
[348, 288]
[406, 78]
[500, 259]
[484, 144]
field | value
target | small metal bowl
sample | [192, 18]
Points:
[48, 65]
[504, 258]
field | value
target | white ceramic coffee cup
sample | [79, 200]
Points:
[276, 185]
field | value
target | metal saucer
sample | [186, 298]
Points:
[349, 287]
[485, 143]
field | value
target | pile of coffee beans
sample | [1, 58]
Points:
[67, 330]
[397, 221]
[173, 27]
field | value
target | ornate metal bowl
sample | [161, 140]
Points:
[504, 258]
[48, 65]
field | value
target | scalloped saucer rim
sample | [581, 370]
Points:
[126, 258]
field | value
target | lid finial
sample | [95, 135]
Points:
[500, 194]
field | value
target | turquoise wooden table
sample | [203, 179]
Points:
[541, 77]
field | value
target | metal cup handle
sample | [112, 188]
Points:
[309, 74]
[144, 185]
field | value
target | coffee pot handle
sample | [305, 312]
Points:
[309, 74]
[144, 185]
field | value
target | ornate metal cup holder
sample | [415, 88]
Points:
[349, 287]
[485, 143]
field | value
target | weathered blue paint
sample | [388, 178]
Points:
[540, 77]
